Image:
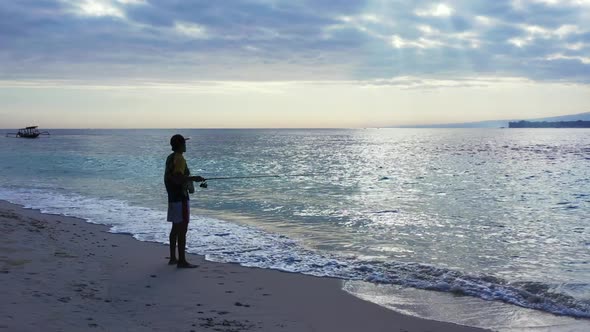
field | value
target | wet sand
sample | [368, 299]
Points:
[63, 274]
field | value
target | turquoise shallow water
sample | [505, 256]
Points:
[491, 213]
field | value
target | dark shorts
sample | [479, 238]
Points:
[179, 212]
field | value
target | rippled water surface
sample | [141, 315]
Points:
[498, 214]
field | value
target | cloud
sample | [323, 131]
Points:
[576, 46]
[98, 8]
[573, 3]
[533, 32]
[437, 10]
[191, 30]
[268, 87]
[559, 56]
[293, 40]
[421, 43]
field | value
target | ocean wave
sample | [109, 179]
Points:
[223, 241]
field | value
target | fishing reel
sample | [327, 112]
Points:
[203, 184]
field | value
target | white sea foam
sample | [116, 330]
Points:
[463, 310]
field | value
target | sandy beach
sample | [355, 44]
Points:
[64, 274]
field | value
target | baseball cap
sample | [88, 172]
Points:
[178, 140]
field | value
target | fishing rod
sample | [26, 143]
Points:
[244, 177]
[204, 183]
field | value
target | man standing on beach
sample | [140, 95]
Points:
[177, 180]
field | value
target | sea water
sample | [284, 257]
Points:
[413, 219]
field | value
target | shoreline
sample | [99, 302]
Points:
[74, 275]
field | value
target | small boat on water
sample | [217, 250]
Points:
[28, 132]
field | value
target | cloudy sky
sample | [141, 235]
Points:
[291, 63]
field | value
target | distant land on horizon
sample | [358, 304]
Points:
[552, 124]
[500, 123]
